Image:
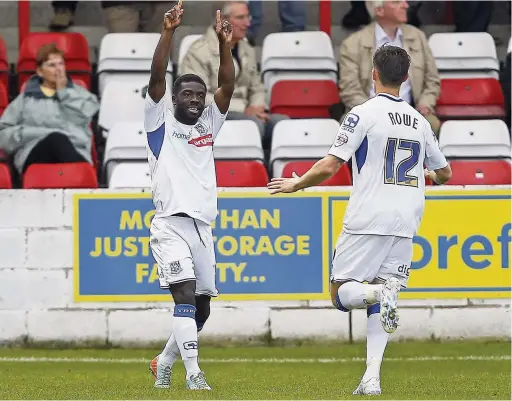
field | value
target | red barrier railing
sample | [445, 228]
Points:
[23, 20]
[324, 13]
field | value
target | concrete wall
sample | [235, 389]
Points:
[36, 301]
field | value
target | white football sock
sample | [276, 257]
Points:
[171, 352]
[185, 331]
[354, 295]
[376, 341]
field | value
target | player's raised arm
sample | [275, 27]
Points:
[438, 169]
[172, 20]
[226, 79]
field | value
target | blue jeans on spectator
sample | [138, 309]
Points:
[291, 13]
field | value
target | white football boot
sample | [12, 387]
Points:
[389, 304]
[197, 382]
[369, 387]
[162, 373]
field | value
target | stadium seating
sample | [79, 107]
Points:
[122, 102]
[307, 139]
[238, 140]
[480, 172]
[73, 44]
[130, 175]
[4, 65]
[239, 173]
[467, 54]
[341, 178]
[5, 176]
[60, 175]
[475, 139]
[124, 56]
[470, 99]
[300, 55]
[304, 99]
[4, 98]
[126, 142]
[185, 44]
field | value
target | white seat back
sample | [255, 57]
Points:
[464, 51]
[126, 141]
[185, 44]
[468, 74]
[130, 175]
[127, 78]
[475, 138]
[298, 51]
[301, 139]
[238, 139]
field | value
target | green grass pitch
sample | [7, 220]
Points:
[412, 370]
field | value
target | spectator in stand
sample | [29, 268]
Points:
[422, 88]
[63, 15]
[291, 13]
[49, 121]
[248, 101]
[134, 16]
[358, 15]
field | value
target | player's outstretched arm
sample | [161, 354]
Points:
[321, 171]
[226, 79]
[172, 20]
[440, 176]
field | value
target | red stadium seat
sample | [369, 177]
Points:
[77, 81]
[5, 176]
[73, 44]
[480, 172]
[241, 173]
[304, 99]
[470, 99]
[341, 178]
[4, 99]
[60, 175]
[4, 65]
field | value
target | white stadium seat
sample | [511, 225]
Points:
[130, 175]
[301, 139]
[185, 44]
[297, 51]
[126, 142]
[126, 53]
[475, 138]
[467, 52]
[238, 139]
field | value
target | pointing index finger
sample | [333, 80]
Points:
[180, 2]
[218, 16]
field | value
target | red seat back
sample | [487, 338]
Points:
[341, 178]
[480, 172]
[4, 99]
[4, 65]
[471, 92]
[304, 99]
[5, 177]
[73, 44]
[240, 173]
[60, 175]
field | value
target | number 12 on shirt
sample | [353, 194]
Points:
[398, 173]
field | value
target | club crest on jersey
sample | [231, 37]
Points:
[175, 268]
[200, 141]
[200, 128]
[350, 122]
[341, 139]
[181, 135]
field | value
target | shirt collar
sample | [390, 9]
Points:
[381, 36]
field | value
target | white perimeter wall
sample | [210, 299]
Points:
[36, 299]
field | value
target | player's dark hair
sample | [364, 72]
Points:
[392, 63]
[184, 79]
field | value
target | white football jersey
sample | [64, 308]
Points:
[389, 143]
[181, 161]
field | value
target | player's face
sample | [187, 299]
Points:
[240, 19]
[189, 102]
[395, 11]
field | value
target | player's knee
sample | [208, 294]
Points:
[335, 297]
[203, 310]
[184, 293]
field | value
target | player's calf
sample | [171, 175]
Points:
[202, 310]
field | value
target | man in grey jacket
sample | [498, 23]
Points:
[49, 121]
